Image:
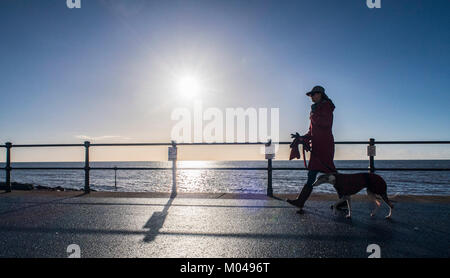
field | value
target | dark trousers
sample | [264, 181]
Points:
[307, 188]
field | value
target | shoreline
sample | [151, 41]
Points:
[26, 189]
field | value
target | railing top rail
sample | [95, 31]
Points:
[411, 142]
[45, 145]
[222, 168]
[216, 143]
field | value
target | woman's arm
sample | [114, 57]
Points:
[307, 136]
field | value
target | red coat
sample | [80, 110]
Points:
[321, 136]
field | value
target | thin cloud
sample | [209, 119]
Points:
[102, 138]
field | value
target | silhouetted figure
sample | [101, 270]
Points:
[320, 139]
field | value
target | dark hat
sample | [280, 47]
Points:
[316, 89]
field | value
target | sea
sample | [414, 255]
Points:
[228, 181]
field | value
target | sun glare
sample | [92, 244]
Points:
[189, 86]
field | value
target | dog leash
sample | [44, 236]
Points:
[304, 155]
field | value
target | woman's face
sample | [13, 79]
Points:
[316, 97]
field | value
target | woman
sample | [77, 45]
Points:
[320, 137]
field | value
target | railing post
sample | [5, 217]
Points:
[8, 167]
[87, 187]
[371, 152]
[269, 155]
[115, 177]
[173, 157]
[269, 178]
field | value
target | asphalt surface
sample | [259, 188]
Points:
[44, 225]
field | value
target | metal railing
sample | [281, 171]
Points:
[87, 145]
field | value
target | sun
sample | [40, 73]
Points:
[189, 86]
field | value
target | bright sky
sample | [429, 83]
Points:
[112, 71]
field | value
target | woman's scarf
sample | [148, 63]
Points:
[315, 105]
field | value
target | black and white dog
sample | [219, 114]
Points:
[349, 184]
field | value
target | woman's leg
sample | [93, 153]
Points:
[307, 189]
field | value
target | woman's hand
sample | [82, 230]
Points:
[296, 135]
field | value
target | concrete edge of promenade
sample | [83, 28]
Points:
[314, 196]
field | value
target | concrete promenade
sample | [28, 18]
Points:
[44, 224]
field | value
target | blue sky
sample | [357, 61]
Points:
[105, 71]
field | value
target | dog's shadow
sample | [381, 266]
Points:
[360, 217]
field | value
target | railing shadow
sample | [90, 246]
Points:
[156, 221]
[39, 204]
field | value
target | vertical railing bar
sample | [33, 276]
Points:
[269, 178]
[174, 171]
[8, 167]
[371, 157]
[87, 188]
[269, 157]
[115, 177]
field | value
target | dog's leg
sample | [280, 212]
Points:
[349, 205]
[334, 207]
[338, 204]
[376, 202]
[388, 203]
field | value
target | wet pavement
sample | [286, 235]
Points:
[44, 225]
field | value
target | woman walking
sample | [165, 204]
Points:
[320, 137]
